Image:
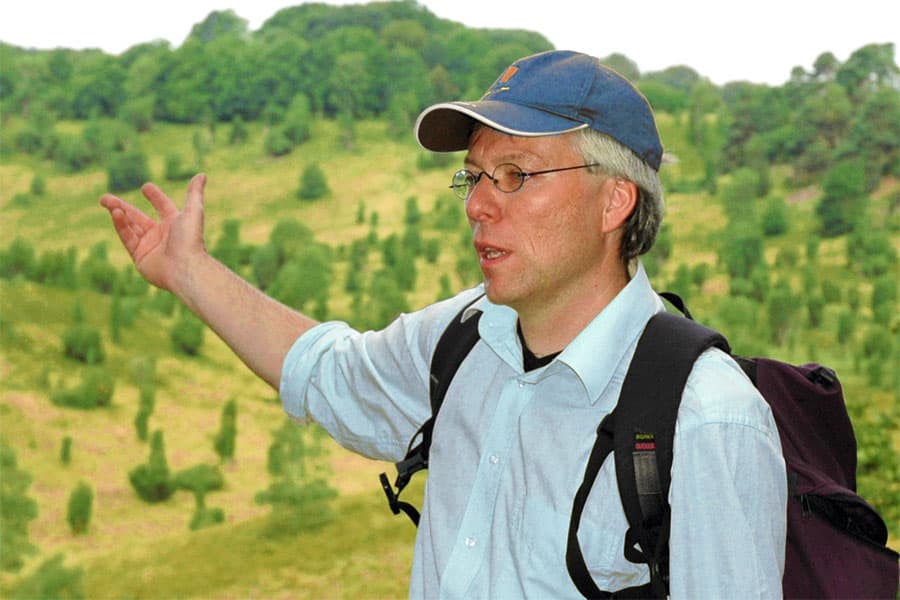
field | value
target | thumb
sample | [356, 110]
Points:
[196, 189]
[193, 209]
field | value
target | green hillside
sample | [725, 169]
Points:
[190, 390]
[133, 549]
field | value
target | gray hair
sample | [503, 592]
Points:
[616, 160]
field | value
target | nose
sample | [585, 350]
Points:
[483, 203]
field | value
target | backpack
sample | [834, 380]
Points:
[836, 542]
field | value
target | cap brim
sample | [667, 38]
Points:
[446, 127]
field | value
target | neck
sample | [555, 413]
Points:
[548, 327]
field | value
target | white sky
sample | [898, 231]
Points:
[754, 40]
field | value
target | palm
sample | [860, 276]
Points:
[159, 248]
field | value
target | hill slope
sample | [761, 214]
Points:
[137, 550]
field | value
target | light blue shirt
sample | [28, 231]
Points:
[510, 448]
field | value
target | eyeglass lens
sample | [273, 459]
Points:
[507, 177]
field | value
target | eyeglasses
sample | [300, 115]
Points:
[507, 178]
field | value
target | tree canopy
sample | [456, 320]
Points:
[390, 59]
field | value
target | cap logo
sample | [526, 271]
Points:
[509, 74]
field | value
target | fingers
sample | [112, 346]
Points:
[164, 206]
[123, 211]
[130, 223]
[134, 227]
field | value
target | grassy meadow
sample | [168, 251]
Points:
[137, 550]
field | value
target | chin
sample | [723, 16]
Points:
[498, 295]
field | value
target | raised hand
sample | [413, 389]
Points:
[162, 250]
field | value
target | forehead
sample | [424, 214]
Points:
[490, 147]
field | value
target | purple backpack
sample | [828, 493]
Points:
[836, 542]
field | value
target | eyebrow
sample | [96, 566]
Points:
[513, 158]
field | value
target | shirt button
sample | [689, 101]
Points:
[494, 459]
[521, 384]
[470, 542]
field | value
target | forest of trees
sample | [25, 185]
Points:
[390, 59]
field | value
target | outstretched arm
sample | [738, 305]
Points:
[170, 253]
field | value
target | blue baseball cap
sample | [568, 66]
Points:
[546, 94]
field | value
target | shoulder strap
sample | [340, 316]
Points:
[454, 345]
[640, 432]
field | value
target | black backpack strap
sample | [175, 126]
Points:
[454, 345]
[641, 431]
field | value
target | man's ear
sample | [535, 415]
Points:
[621, 199]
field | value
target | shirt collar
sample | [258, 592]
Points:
[609, 339]
[596, 353]
[497, 329]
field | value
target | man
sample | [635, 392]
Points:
[562, 192]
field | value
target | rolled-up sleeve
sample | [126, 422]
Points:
[296, 372]
[369, 390]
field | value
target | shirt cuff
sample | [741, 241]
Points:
[299, 362]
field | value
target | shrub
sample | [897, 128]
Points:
[65, 450]
[884, 294]
[94, 391]
[205, 516]
[163, 302]
[297, 120]
[831, 291]
[17, 510]
[38, 185]
[83, 342]
[871, 251]
[50, 580]
[55, 267]
[138, 112]
[74, 154]
[843, 193]
[699, 274]
[877, 343]
[228, 247]
[434, 160]
[264, 263]
[187, 334]
[199, 479]
[446, 215]
[18, 259]
[781, 306]
[224, 442]
[145, 409]
[313, 183]
[277, 142]
[815, 306]
[741, 250]
[174, 171]
[127, 170]
[299, 493]
[151, 480]
[81, 502]
[239, 132]
[97, 271]
[305, 278]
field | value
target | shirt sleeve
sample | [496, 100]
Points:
[369, 390]
[729, 488]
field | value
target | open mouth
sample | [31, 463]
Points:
[489, 253]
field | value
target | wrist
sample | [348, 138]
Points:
[195, 277]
